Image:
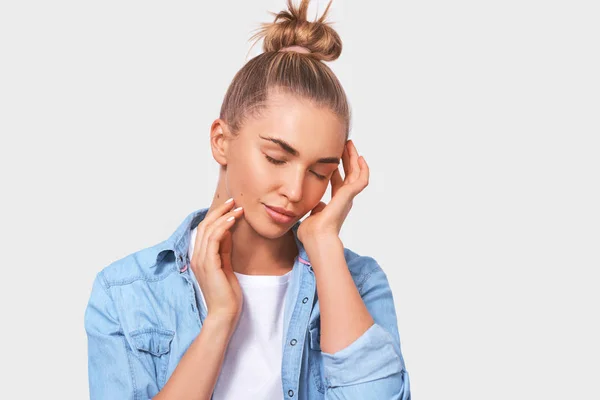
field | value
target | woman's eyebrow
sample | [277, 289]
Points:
[289, 149]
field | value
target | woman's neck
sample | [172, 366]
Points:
[253, 254]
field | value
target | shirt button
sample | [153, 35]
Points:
[304, 300]
[291, 393]
[293, 342]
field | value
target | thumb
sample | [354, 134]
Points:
[225, 251]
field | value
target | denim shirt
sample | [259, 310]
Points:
[145, 310]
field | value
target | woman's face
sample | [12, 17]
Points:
[261, 172]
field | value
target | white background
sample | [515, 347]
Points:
[479, 119]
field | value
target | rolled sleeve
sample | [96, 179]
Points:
[371, 367]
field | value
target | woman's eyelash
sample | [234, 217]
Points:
[279, 162]
[274, 161]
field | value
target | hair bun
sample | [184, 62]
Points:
[291, 28]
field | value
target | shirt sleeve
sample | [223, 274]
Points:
[110, 362]
[371, 367]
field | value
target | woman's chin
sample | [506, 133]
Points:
[266, 227]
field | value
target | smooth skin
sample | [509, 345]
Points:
[257, 172]
[344, 317]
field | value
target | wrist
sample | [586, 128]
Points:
[224, 324]
[324, 240]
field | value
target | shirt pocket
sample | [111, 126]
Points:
[315, 357]
[153, 347]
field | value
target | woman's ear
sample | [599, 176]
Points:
[219, 141]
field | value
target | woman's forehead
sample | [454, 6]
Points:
[298, 121]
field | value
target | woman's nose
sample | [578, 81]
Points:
[292, 186]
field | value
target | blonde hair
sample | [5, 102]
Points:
[300, 74]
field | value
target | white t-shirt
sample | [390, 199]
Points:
[252, 365]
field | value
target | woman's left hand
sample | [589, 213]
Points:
[327, 219]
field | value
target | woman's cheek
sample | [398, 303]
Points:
[263, 170]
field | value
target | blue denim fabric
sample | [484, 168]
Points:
[145, 310]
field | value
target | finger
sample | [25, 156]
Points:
[209, 219]
[336, 181]
[225, 250]
[218, 211]
[363, 178]
[346, 160]
[225, 254]
[354, 166]
[213, 235]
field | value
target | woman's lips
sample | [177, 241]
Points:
[278, 217]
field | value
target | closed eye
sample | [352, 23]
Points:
[280, 162]
[274, 161]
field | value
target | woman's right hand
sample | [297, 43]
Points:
[211, 264]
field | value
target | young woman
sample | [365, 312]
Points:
[244, 300]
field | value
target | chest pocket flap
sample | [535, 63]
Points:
[155, 341]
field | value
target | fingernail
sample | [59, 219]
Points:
[229, 201]
[237, 209]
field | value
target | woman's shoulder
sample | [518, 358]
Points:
[149, 264]
[155, 262]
